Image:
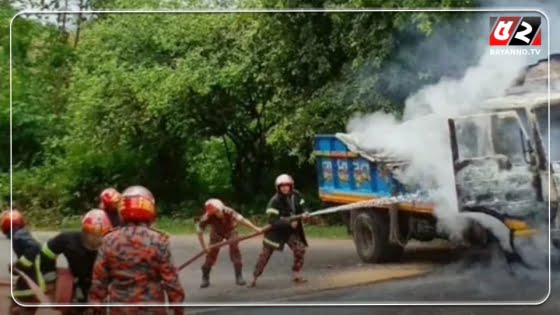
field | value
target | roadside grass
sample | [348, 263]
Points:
[186, 226]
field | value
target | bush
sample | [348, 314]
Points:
[38, 195]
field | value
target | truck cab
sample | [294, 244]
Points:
[534, 154]
[537, 114]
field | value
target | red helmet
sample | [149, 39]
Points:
[11, 219]
[284, 179]
[96, 222]
[213, 205]
[138, 205]
[110, 199]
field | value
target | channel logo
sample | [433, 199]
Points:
[515, 31]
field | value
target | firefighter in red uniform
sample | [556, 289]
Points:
[134, 264]
[223, 221]
[26, 249]
[285, 203]
[80, 250]
[110, 203]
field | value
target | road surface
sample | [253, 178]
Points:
[457, 281]
[337, 276]
[443, 287]
[329, 264]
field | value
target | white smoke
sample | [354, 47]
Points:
[422, 142]
[453, 97]
[422, 137]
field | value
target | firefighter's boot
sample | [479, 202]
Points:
[205, 278]
[239, 276]
[298, 278]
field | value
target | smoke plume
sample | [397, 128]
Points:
[422, 136]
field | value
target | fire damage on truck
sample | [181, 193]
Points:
[500, 168]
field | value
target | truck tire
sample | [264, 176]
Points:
[371, 238]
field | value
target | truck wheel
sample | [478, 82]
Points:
[371, 237]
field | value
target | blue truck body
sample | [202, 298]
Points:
[344, 173]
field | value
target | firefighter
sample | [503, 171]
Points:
[134, 264]
[223, 221]
[80, 250]
[26, 249]
[285, 203]
[110, 203]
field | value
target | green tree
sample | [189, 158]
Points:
[202, 104]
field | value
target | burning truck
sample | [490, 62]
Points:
[498, 164]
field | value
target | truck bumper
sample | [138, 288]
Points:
[525, 233]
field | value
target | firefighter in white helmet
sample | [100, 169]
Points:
[285, 203]
[223, 221]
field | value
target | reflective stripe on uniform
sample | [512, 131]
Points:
[39, 274]
[270, 211]
[25, 262]
[40, 281]
[48, 252]
[24, 293]
[271, 243]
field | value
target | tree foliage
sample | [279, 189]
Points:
[199, 105]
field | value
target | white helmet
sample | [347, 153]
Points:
[284, 179]
[213, 205]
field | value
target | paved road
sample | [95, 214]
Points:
[452, 279]
[448, 284]
[329, 263]
[454, 282]
[321, 256]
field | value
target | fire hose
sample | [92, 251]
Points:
[62, 290]
[347, 207]
[39, 294]
[44, 299]
[221, 244]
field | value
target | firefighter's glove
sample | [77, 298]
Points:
[294, 224]
[305, 216]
